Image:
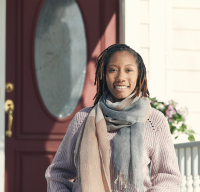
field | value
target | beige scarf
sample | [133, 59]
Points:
[92, 149]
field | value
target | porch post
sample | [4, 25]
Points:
[129, 23]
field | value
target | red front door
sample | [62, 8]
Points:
[36, 134]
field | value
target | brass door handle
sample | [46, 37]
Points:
[9, 108]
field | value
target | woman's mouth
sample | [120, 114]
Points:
[120, 87]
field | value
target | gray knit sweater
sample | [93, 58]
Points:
[158, 151]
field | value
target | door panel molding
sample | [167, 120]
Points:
[30, 163]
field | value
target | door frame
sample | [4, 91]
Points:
[2, 90]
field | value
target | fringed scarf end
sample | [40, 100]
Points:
[124, 183]
[120, 182]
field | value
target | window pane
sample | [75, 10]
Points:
[60, 56]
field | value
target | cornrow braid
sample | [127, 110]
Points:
[103, 60]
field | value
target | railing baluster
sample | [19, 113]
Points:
[188, 170]
[195, 167]
[189, 164]
[199, 163]
[182, 168]
[176, 150]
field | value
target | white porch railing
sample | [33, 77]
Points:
[188, 155]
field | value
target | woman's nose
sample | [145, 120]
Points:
[120, 77]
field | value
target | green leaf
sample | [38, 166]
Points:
[173, 128]
[176, 116]
[176, 137]
[191, 138]
[179, 119]
[191, 131]
[154, 98]
[183, 128]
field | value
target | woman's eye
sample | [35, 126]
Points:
[129, 70]
[112, 70]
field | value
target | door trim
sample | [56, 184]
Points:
[2, 90]
[122, 21]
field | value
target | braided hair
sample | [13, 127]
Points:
[103, 60]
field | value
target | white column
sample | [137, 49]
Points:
[195, 157]
[2, 90]
[182, 168]
[132, 24]
[157, 48]
[188, 170]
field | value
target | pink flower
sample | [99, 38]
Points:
[170, 107]
[170, 120]
[170, 112]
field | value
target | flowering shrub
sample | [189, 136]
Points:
[176, 118]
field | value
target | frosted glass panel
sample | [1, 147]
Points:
[60, 56]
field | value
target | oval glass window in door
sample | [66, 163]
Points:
[60, 56]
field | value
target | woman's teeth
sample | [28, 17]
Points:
[120, 87]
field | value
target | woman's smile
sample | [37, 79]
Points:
[120, 87]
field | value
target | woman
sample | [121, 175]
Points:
[111, 146]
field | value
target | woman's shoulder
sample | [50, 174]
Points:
[157, 118]
[81, 115]
[78, 120]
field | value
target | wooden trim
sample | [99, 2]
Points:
[121, 21]
[2, 92]
[189, 144]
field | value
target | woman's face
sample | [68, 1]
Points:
[121, 75]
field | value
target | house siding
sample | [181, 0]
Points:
[186, 59]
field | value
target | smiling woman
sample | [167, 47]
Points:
[119, 65]
[110, 146]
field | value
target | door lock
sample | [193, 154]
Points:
[9, 87]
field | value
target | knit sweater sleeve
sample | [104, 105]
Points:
[165, 174]
[62, 169]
